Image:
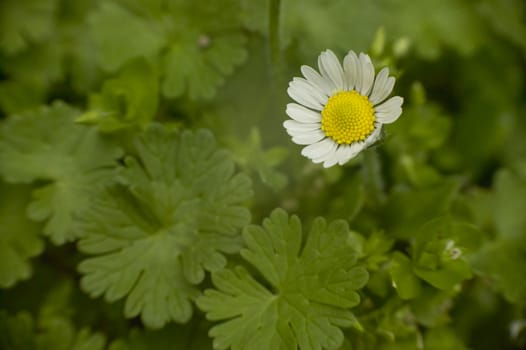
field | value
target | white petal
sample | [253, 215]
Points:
[383, 86]
[350, 152]
[316, 79]
[344, 150]
[297, 133]
[303, 97]
[390, 117]
[297, 126]
[300, 133]
[358, 74]
[307, 138]
[335, 157]
[390, 110]
[302, 114]
[375, 135]
[303, 87]
[318, 149]
[314, 90]
[367, 74]
[331, 149]
[331, 69]
[350, 67]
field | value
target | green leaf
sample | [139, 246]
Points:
[201, 71]
[30, 74]
[313, 284]
[440, 251]
[19, 237]
[372, 250]
[513, 28]
[479, 206]
[474, 145]
[431, 308]
[510, 201]
[39, 64]
[452, 23]
[208, 44]
[16, 96]
[333, 24]
[114, 43]
[59, 331]
[24, 22]
[191, 336]
[503, 262]
[254, 14]
[20, 332]
[61, 335]
[404, 280]
[395, 322]
[252, 157]
[129, 100]
[16, 331]
[406, 211]
[443, 338]
[198, 44]
[424, 127]
[74, 160]
[376, 248]
[80, 56]
[177, 210]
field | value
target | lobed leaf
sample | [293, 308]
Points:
[128, 100]
[442, 249]
[198, 44]
[25, 22]
[191, 336]
[22, 332]
[19, 237]
[176, 211]
[113, 42]
[72, 160]
[311, 288]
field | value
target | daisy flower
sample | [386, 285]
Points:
[340, 111]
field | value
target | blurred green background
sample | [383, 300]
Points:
[456, 156]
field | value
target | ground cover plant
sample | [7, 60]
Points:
[262, 174]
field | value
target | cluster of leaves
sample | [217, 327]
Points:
[149, 198]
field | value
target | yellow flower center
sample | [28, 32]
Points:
[348, 117]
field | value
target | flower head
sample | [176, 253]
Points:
[340, 110]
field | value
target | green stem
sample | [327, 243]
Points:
[372, 174]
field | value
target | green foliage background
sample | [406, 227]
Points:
[151, 199]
